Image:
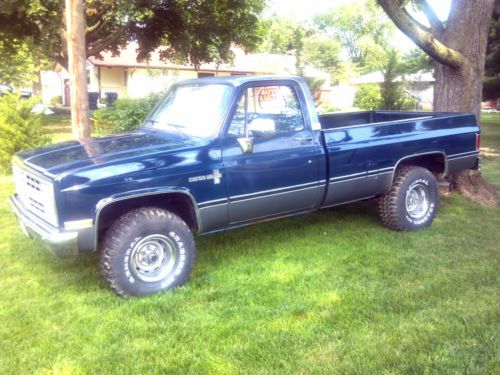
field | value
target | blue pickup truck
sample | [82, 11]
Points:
[221, 153]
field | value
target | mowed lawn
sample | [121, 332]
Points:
[329, 292]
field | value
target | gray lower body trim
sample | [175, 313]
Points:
[356, 188]
[213, 217]
[276, 204]
[461, 162]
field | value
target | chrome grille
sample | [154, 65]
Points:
[36, 194]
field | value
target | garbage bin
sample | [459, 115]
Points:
[93, 98]
[111, 98]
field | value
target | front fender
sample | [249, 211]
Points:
[103, 203]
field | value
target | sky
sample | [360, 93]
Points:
[300, 10]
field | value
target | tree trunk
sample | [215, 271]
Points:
[466, 31]
[75, 23]
[460, 90]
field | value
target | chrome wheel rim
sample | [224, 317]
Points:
[153, 258]
[417, 201]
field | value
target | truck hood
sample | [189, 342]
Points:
[68, 156]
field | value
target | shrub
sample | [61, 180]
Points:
[20, 128]
[368, 97]
[125, 115]
[55, 101]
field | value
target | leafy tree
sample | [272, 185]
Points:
[368, 97]
[20, 128]
[390, 94]
[279, 35]
[198, 32]
[285, 36]
[415, 61]
[323, 53]
[391, 91]
[20, 63]
[201, 31]
[125, 115]
[362, 29]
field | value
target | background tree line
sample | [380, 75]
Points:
[349, 39]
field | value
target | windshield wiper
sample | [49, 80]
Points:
[178, 128]
[152, 121]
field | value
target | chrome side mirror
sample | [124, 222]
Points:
[246, 144]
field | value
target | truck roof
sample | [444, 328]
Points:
[239, 80]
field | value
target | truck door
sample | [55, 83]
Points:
[270, 156]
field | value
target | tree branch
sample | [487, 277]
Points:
[423, 27]
[426, 40]
[89, 29]
[434, 21]
[96, 48]
[96, 31]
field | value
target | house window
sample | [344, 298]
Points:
[203, 74]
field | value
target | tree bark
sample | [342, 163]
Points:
[466, 31]
[75, 24]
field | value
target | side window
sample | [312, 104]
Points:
[265, 111]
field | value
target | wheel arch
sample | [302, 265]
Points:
[434, 161]
[178, 201]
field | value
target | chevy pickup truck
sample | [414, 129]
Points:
[221, 153]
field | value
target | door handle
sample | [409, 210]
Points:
[302, 139]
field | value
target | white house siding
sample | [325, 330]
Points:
[141, 82]
[342, 97]
[51, 85]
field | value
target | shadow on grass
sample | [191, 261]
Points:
[82, 274]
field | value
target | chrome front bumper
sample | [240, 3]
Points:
[62, 244]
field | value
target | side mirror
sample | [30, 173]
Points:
[262, 127]
[246, 144]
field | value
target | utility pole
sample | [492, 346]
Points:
[77, 60]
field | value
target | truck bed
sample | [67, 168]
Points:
[363, 149]
[341, 119]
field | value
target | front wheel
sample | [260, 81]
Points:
[412, 201]
[147, 250]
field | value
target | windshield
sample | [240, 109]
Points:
[193, 110]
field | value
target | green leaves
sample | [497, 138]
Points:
[189, 31]
[361, 28]
[126, 115]
[20, 128]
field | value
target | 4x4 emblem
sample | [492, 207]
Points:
[217, 176]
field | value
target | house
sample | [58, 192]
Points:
[127, 77]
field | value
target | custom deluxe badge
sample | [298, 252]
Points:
[216, 176]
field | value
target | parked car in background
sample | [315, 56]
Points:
[5, 89]
[25, 93]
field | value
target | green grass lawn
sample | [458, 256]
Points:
[490, 143]
[330, 292]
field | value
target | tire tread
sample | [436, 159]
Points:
[121, 228]
[388, 209]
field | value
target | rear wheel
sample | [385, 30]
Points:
[412, 201]
[146, 251]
